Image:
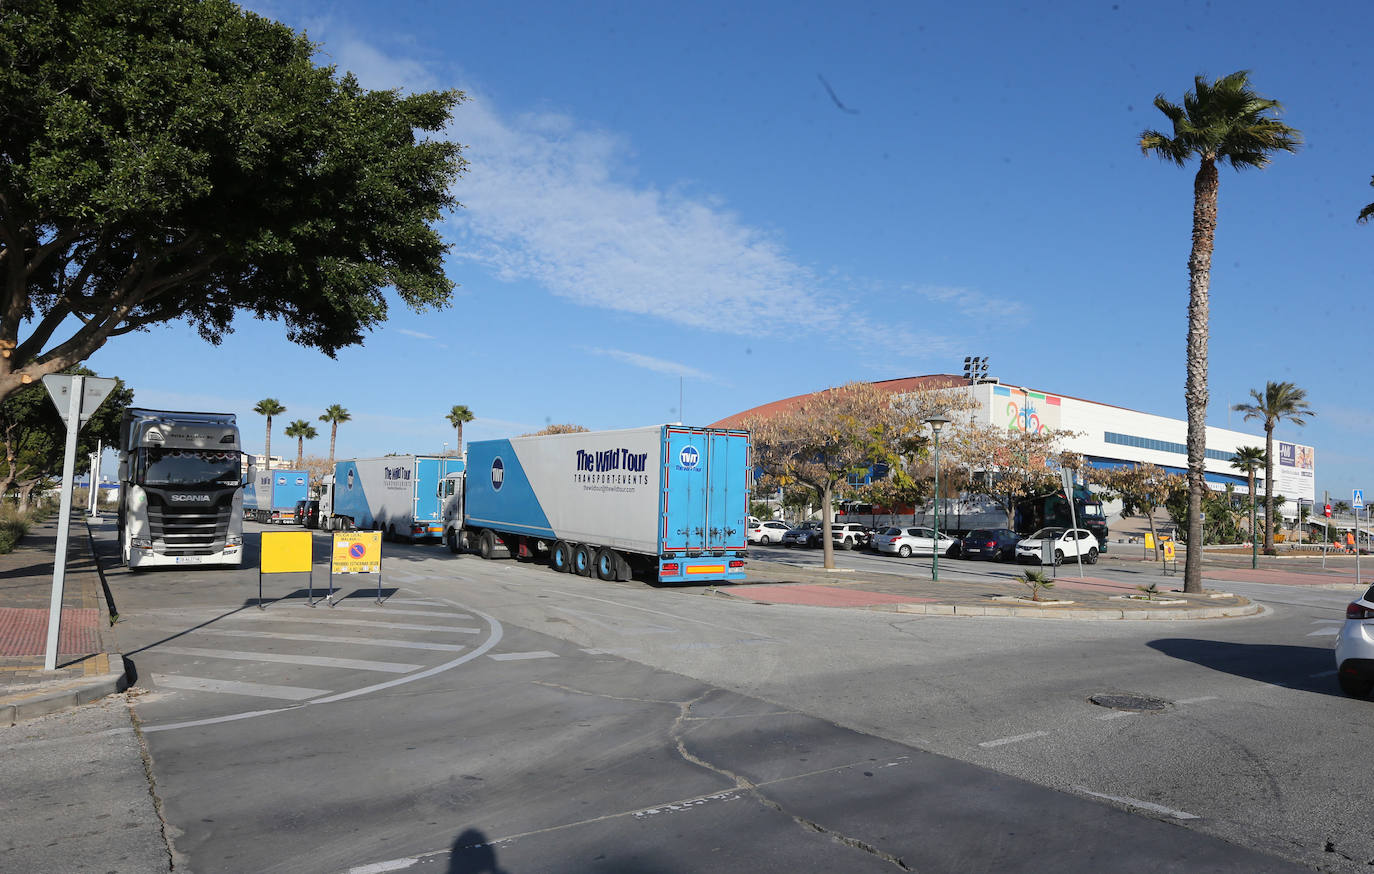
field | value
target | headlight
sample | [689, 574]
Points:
[142, 542]
[234, 541]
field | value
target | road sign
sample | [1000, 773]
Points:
[1066, 477]
[93, 393]
[1357, 500]
[1327, 510]
[285, 552]
[357, 552]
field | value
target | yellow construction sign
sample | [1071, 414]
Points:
[1168, 548]
[285, 552]
[357, 552]
[1149, 540]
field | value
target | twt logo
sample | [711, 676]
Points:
[689, 457]
[498, 473]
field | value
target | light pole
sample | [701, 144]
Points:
[936, 423]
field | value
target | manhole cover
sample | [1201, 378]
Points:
[1136, 703]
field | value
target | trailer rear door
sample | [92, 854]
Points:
[726, 497]
[685, 489]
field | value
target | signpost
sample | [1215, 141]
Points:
[286, 552]
[1066, 476]
[76, 399]
[1357, 502]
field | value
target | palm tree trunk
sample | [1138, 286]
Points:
[300, 452]
[1195, 391]
[267, 449]
[1269, 489]
[333, 434]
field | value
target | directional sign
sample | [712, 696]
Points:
[1358, 499]
[93, 394]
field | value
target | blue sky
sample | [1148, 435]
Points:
[666, 194]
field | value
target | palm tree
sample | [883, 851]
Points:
[269, 407]
[334, 414]
[1278, 401]
[302, 431]
[1249, 459]
[1368, 212]
[456, 417]
[1221, 121]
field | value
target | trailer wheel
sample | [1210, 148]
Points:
[452, 539]
[583, 560]
[607, 564]
[486, 543]
[561, 559]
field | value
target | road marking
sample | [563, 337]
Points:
[1118, 714]
[647, 610]
[1002, 741]
[1136, 802]
[316, 661]
[387, 611]
[383, 867]
[232, 687]
[1324, 632]
[1320, 621]
[1330, 673]
[325, 638]
[1196, 700]
[399, 626]
[514, 656]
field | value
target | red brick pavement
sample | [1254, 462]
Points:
[24, 631]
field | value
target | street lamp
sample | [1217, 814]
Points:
[936, 423]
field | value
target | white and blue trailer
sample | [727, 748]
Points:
[270, 495]
[398, 495]
[667, 501]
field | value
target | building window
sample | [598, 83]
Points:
[1162, 446]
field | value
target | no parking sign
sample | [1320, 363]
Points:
[357, 552]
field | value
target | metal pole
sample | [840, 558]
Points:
[1357, 548]
[1254, 542]
[935, 544]
[59, 566]
[1073, 519]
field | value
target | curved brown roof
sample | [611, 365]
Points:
[895, 386]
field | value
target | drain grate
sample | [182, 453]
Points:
[1133, 703]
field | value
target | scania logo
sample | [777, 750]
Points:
[189, 498]
[498, 473]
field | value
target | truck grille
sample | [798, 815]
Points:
[188, 529]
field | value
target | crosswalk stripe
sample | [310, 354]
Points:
[514, 656]
[325, 638]
[326, 620]
[316, 661]
[387, 611]
[234, 687]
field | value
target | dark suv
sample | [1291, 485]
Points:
[308, 514]
[990, 544]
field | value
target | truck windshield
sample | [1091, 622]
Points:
[190, 467]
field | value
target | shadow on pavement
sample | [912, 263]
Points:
[1293, 667]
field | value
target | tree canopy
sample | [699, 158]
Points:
[186, 160]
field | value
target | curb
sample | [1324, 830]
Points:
[1164, 613]
[62, 696]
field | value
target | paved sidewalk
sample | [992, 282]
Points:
[88, 666]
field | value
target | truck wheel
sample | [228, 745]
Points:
[486, 543]
[561, 557]
[452, 539]
[583, 560]
[607, 564]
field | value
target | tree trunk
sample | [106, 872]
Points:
[1195, 390]
[1154, 538]
[333, 435]
[267, 449]
[1269, 488]
[827, 545]
[300, 452]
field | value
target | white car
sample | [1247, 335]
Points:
[848, 535]
[913, 541]
[1355, 648]
[1068, 544]
[767, 532]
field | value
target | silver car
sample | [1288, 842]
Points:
[1355, 647]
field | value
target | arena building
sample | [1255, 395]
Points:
[1106, 435]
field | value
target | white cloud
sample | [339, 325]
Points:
[419, 335]
[657, 365]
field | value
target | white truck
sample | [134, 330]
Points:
[667, 501]
[398, 495]
[180, 489]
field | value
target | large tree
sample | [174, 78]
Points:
[459, 416]
[1248, 460]
[334, 414]
[1278, 402]
[268, 407]
[302, 431]
[186, 160]
[1009, 466]
[1143, 488]
[1222, 120]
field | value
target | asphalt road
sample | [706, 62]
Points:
[498, 716]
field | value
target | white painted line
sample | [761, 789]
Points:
[1196, 700]
[383, 867]
[1117, 714]
[514, 656]
[387, 611]
[1330, 673]
[1320, 621]
[316, 661]
[232, 687]
[1324, 632]
[647, 610]
[598, 652]
[324, 638]
[427, 601]
[1003, 741]
[1136, 802]
[326, 620]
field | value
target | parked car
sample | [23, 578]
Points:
[990, 544]
[906, 542]
[1355, 647]
[805, 534]
[1068, 544]
[849, 535]
[767, 532]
